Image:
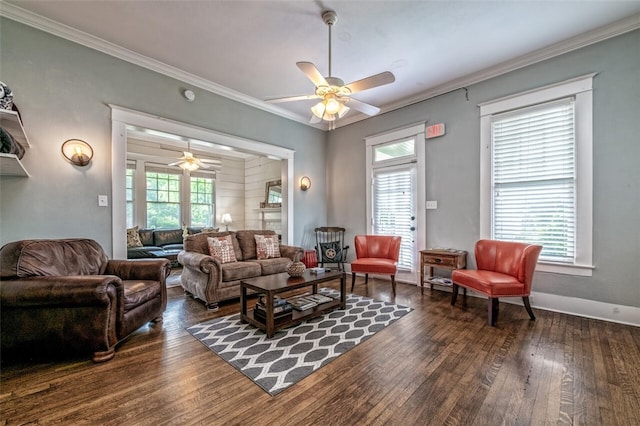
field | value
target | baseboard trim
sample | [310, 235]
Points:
[621, 314]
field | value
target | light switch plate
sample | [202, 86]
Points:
[103, 201]
[432, 205]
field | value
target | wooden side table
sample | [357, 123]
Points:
[451, 259]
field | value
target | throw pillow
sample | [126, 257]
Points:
[331, 252]
[267, 246]
[133, 239]
[221, 248]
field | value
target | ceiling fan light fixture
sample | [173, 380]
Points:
[332, 105]
[189, 166]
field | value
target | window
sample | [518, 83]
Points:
[393, 150]
[130, 197]
[202, 196]
[536, 178]
[163, 199]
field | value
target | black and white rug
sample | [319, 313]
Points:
[294, 353]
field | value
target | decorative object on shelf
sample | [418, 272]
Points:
[6, 97]
[226, 220]
[10, 145]
[296, 269]
[77, 151]
[273, 193]
[305, 183]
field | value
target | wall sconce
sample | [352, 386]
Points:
[305, 183]
[77, 151]
[226, 220]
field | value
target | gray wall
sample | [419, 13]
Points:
[62, 90]
[453, 165]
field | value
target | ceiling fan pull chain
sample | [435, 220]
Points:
[330, 25]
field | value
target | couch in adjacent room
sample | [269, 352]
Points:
[214, 263]
[152, 243]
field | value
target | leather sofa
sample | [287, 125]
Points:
[62, 296]
[212, 281]
[165, 243]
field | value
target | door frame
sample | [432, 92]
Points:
[122, 117]
[416, 131]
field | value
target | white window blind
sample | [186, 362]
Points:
[393, 208]
[534, 178]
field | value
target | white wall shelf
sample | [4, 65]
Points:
[10, 164]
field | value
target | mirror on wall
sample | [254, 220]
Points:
[273, 193]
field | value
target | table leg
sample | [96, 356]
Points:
[421, 277]
[343, 291]
[431, 276]
[243, 303]
[270, 322]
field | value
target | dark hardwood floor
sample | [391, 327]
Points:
[437, 365]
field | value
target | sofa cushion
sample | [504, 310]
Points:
[162, 237]
[221, 248]
[267, 247]
[139, 292]
[133, 238]
[146, 236]
[274, 266]
[198, 242]
[29, 258]
[247, 242]
[235, 271]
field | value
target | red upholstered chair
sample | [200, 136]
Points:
[376, 254]
[505, 269]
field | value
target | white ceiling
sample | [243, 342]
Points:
[247, 50]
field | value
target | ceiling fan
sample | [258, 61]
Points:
[190, 162]
[336, 100]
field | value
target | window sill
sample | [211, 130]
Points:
[558, 268]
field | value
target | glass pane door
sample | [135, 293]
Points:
[394, 208]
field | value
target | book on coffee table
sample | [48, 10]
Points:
[301, 303]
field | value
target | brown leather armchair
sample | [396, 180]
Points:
[376, 254]
[65, 295]
[505, 269]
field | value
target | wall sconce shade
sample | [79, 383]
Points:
[77, 152]
[226, 220]
[305, 183]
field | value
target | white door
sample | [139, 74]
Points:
[396, 190]
[394, 209]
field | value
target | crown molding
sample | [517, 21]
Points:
[615, 29]
[31, 19]
[47, 25]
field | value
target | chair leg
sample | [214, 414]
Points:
[492, 304]
[527, 306]
[454, 294]
[393, 284]
[366, 279]
[353, 280]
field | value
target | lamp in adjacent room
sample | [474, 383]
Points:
[305, 183]
[226, 220]
[77, 152]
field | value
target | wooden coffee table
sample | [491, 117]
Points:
[271, 285]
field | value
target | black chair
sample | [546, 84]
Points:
[330, 246]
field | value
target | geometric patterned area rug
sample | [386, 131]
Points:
[294, 353]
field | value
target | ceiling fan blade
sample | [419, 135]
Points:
[312, 72]
[362, 107]
[371, 82]
[291, 98]
[177, 163]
